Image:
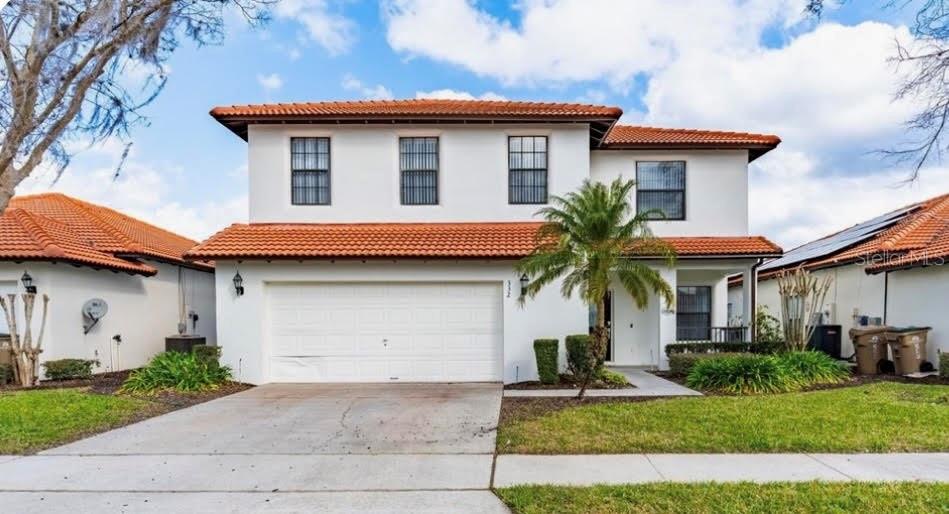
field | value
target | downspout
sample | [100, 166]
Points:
[886, 291]
[754, 298]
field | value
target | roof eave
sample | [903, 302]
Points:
[754, 150]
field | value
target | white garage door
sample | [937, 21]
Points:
[384, 332]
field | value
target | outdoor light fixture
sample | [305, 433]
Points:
[238, 284]
[524, 282]
[28, 283]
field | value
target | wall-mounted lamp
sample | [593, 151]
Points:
[238, 284]
[524, 281]
[28, 283]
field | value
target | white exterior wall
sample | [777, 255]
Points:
[716, 188]
[920, 297]
[143, 310]
[242, 331]
[852, 292]
[364, 172]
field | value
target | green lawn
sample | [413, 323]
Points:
[32, 420]
[816, 497]
[880, 417]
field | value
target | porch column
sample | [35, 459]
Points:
[749, 280]
[667, 318]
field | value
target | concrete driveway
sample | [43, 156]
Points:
[286, 448]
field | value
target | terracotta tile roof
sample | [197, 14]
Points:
[490, 240]
[631, 135]
[647, 138]
[920, 237]
[53, 226]
[416, 108]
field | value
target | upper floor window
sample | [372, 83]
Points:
[660, 189]
[527, 165]
[310, 170]
[418, 165]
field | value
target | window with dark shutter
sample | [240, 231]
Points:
[418, 165]
[660, 189]
[527, 165]
[310, 170]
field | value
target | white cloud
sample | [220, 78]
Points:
[576, 40]
[377, 92]
[331, 30]
[146, 191]
[793, 202]
[829, 87]
[270, 82]
[454, 94]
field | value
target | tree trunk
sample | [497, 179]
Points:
[598, 340]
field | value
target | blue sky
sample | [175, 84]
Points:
[752, 65]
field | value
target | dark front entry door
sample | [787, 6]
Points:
[608, 315]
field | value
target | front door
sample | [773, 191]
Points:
[608, 316]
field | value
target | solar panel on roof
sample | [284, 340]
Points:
[834, 243]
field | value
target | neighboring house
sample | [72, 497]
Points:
[75, 251]
[383, 236]
[891, 267]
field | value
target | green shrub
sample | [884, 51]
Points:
[178, 371]
[611, 377]
[767, 327]
[944, 364]
[579, 360]
[545, 352]
[680, 364]
[209, 354]
[811, 368]
[741, 374]
[6, 374]
[68, 369]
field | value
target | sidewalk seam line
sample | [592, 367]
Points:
[653, 464]
[822, 463]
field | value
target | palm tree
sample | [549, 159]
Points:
[587, 238]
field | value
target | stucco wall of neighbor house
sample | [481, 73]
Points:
[364, 172]
[143, 310]
[716, 188]
[852, 292]
[243, 325]
[920, 297]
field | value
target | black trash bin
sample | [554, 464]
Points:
[826, 338]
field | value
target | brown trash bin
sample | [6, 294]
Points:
[870, 345]
[908, 346]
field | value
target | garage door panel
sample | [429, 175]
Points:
[381, 332]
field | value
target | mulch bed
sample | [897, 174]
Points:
[525, 408]
[566, 382]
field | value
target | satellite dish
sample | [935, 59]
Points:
[92, 311]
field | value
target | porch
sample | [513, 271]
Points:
[701, 312]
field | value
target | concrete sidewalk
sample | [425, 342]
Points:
[794, 467]
[645, 385]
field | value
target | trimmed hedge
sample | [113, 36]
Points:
[68, 369]
[579, 359]
[722, 347]
[206, 353]
[944, 364]
[6, 374]
[611, 377]
[545, 352]
[680, 364]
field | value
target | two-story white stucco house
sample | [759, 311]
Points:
[383, 236]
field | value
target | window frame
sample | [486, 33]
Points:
[684, 190]
[711, 299]
[328, 171]
[546, 169]
[438, 164]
